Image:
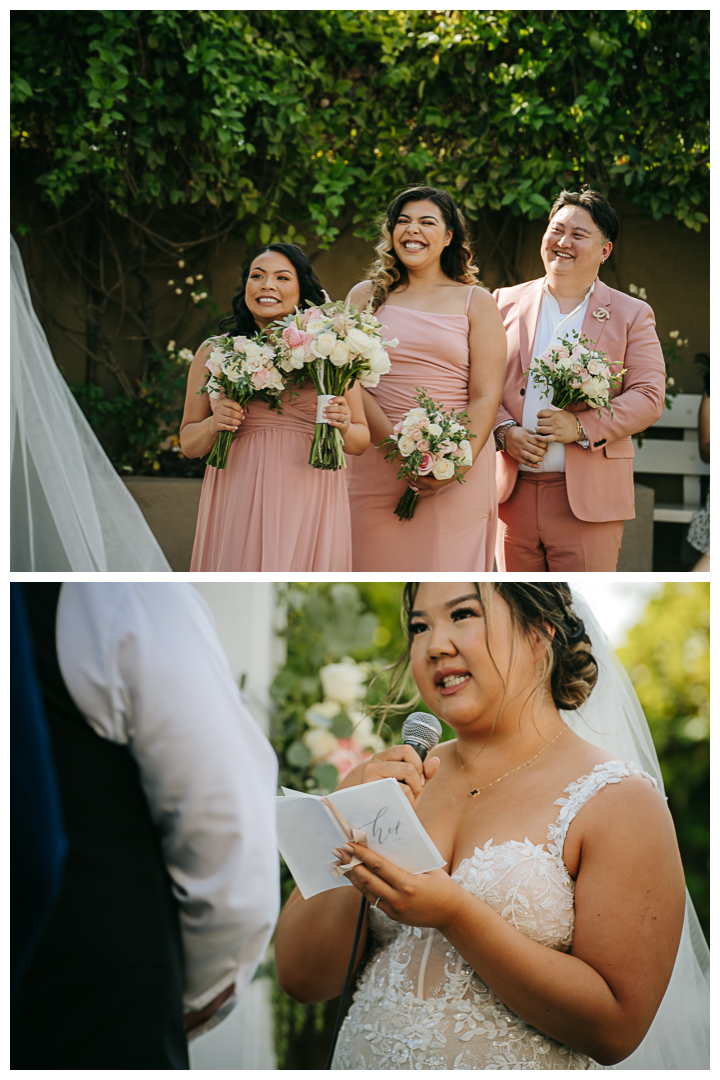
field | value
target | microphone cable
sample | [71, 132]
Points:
[348, 980]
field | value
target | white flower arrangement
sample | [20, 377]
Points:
[431, 442]
[240, 368]
[576, 372]
[336, 344]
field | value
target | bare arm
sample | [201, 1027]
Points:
[600, 998]
[378, 423]
[200, 425]
[355, 434]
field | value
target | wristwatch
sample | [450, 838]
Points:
[501, 431]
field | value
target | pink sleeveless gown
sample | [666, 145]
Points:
[452, 529]
[269, 510]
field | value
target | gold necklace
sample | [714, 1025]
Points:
[477, 790]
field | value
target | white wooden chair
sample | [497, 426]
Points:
[675, 457]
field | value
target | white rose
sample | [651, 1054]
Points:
[253, 351]
[406, 445]
[286, 364]
[322, 714]
[565, 363]
[380, 362]
[215, 361]
[316, 326]
[339, 354]
[276, 381]
[466, 448]
[253, 363]
[594, 367]
[324, 343]
[358, 342]
[233, 374]
[321, 744]
[443, 469]
[297, 357]
[343, 682]
[454, 427]
[369, 378]
[434, 429]
[214, 389]
[240, 343]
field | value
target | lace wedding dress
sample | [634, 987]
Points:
[419, 1005]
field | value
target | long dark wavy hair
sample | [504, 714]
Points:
[388, 272]
[241, 321]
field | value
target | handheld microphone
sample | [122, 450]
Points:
[422, 731]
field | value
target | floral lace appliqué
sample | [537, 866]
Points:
[419, 1005]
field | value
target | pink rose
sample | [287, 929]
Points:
[562, 353]
[423, 446]
[348, 754]
[292, 336]
[261, 378]
[576, 383]
[423, 423]
[446, 446]
[398, 428]
[426, 465]
[577, 368]
[546, 356]
[416, 435]
[310, 314]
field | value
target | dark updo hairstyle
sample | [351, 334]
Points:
[388, 272]
[596, 205]
[241, 321]
[541, 611]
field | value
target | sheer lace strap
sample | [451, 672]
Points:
[469, 295]
[582, 790]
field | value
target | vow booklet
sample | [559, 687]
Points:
[308, 830]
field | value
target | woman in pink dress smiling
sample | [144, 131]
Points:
[269, 510]
[452, 343]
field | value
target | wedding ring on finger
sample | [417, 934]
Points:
[377, 903]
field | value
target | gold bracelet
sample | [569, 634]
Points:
[581, 436]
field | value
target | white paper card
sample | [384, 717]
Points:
[308, 831]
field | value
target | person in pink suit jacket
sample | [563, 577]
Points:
[565, 476]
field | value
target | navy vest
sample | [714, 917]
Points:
[104, 989]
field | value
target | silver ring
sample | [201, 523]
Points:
[377, 903]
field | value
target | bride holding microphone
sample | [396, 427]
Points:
[549, 939]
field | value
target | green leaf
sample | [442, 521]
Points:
[299, 755]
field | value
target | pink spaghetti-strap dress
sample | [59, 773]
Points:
[269, 510]
[453, 529]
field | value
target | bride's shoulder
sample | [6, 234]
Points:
[361, 293]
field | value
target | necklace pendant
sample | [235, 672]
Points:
[474, 792]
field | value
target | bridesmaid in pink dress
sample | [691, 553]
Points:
[452, 343]
[269, 510]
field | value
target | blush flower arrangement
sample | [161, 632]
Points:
[240, 368]
[576, 372]
[335, 344]
[432, 443]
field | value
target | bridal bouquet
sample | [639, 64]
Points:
[241, 368]
[432, 442]
[576, 372]
[335, 344]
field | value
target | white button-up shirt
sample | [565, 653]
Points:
[551, 328]
[144, 664]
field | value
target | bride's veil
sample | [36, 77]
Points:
[69, 510]
[613, 720]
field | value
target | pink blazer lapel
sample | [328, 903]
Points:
[528, 316]
[595, 316]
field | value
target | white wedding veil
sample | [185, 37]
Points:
[613, 720]
[69, 509]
